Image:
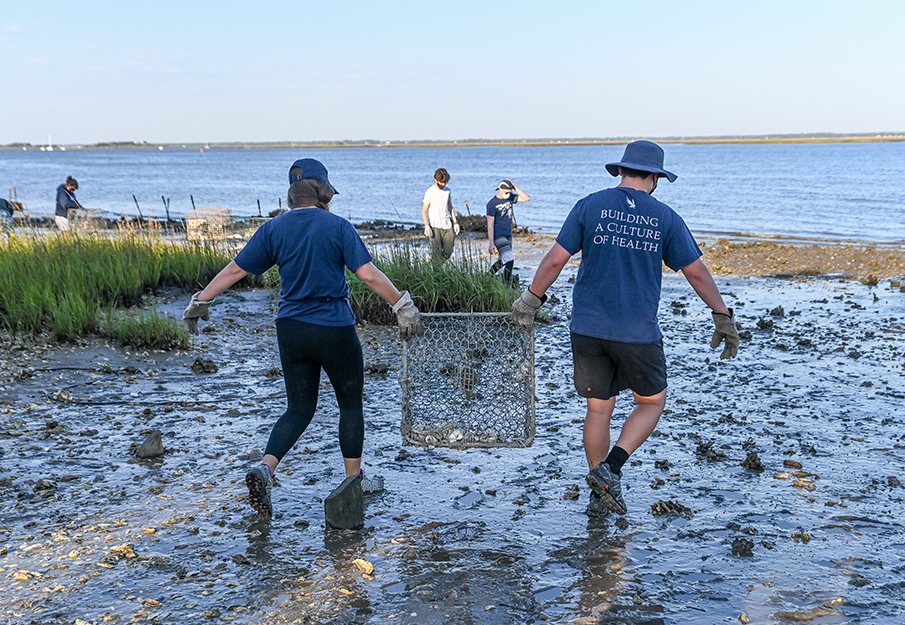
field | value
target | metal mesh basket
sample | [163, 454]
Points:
[469, 382]
[207, 224]
[244, 229]
[85, 219]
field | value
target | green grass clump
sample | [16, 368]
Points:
[62, 283]
[71, 285]
[146, 330]
[463, 284]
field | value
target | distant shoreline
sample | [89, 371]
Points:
[471, 143]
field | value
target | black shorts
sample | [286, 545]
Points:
[603, 368]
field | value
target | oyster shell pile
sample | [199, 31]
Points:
[450, 435]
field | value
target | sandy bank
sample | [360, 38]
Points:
[866, 262]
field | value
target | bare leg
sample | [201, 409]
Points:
[271, 462]
[597, 429]
[642, 422]
[353, 466]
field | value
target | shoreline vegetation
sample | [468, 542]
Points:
[80, 285]
[106, 284]
[421, 143]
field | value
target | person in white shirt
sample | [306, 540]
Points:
[440, 223]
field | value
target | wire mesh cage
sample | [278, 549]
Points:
[85, 219]
[469, 382]
[244, 229]
[208, 224]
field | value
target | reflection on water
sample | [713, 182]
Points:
[470, 536]
[596, 585]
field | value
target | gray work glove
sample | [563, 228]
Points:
[524, 308]
[725, 329]
[428, 232]
[194, 311]
[408, 316]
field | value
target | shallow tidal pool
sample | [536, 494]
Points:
[770, 491]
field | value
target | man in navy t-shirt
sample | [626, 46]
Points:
[624, 236]
[499, 225]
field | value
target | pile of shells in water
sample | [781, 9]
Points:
[452, 436]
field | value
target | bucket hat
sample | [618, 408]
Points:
[643, 156]
[311, 169]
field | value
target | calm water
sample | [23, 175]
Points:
[834, 191]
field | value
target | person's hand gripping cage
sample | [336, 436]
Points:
[525, 307]
[194, 311]
[725, 330]
[408, 317]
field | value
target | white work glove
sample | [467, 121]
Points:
[194, 311]
[725, 329]
[408, 317]
[456, 228]
[524, 308]
[428, 232]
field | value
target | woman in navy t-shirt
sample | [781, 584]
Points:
[315, 324]
[500, 216]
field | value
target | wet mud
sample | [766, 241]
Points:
[770, 491]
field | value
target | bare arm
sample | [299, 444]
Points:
[227, 277]
[522, 196]
[549, 269]
[424, 208]
[452, 211]
[702, 282]
[377, 281]
[490, 219]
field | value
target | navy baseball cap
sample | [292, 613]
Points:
[642, 156]
[309, 169]
[505, 185]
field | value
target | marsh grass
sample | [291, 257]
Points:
[462, 284]
[77, 285]
[145, 330]
[62, 284]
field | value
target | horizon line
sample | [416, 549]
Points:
[818, 137]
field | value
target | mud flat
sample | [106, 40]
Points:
[770, 491]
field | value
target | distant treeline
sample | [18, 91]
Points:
[820, 137]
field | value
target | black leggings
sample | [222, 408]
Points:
[304, 349]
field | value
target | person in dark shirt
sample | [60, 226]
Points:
[500, 216]
[6, 217]
[315, 324]
[65, 202]
[625, 236]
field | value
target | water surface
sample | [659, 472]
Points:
[829, 190]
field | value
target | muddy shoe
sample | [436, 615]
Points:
[595, 506]
[260, 482]
[607, 485]
[370, 485]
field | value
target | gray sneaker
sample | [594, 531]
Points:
[595, 506]
[370, 485]
[260, 483]
[608, 486]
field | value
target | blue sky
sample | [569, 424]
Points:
[395, 70]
